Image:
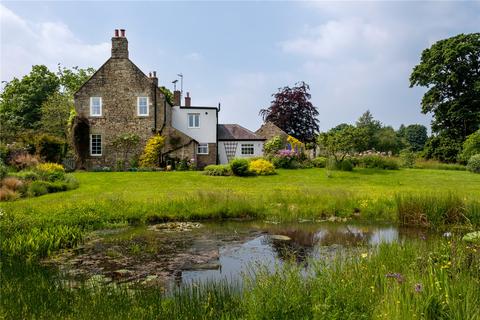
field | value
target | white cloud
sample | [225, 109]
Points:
[340, 38]
[25, 44]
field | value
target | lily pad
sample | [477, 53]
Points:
[279, 237]
[472, 237]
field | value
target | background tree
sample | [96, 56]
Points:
[450, 69]
[471, 146]
[339, 142]
[292, 111]
[368, 130]
[415, 136]
[21, 100]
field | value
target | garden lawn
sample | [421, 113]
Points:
[41, 225]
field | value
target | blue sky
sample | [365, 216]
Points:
[355, 55]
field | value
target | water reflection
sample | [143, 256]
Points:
[217, 251]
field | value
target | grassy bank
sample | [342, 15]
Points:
[38, 226]
[414, 280]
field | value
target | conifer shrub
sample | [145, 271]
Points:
[473, 164]
[150, 157]
[261, 167]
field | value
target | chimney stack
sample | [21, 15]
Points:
[188, 100]
[120, 45]
[153, 77]
[176, 97]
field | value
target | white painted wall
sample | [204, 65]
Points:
[206, 133]
[257, 150]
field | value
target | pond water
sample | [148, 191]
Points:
[173, 254]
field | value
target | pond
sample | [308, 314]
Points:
[178, 253]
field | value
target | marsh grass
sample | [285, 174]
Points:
[413, 280]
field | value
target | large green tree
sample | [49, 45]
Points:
[293, 112]
[339, 141]
[368, 130]
[40, 101]
[21, 100]
[450, 69]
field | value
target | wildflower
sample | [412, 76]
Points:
[447, 234]
[397, 276]
[364, 255]
[418, 287]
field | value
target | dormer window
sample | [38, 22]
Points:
[96, 106]
[142, 106]
[194, 120]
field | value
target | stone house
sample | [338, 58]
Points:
[120, 99]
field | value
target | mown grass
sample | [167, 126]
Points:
[38, 226]
[413, 280]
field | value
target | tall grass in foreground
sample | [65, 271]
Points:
[31, 231]
[420, 280]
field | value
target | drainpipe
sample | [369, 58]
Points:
[155, 106]
[216, 130]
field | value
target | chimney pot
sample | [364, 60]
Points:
[154, 74]
[188, 100]
[116, 32]
[122, 32]
[149, 74]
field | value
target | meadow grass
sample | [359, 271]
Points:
[36, 227]
[412, 280]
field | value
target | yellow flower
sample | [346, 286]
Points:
[364, 255]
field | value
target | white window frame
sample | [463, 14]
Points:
[247, 145]
[202, 145]
[91, 145]
[91, 107]
[195, 116]
[138, 107]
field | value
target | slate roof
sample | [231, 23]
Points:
[236, 132]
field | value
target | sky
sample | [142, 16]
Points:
[354, 55]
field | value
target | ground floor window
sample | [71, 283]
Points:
[202, 148]
[95, 144]
[247, 149]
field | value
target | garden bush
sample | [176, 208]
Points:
[262, 167]
[218, 170]
[38, 188]
[50, 148]
[240, 167]
[319, 162]
[346, 165]
[474, 164]
[24, 161]
[3, 170]
[13, 184]
[25, 175]
[378, 162]
[407, 158]
[150, 157]
[7, 194]
[286, 159]
[273, 145]
[50, 171]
